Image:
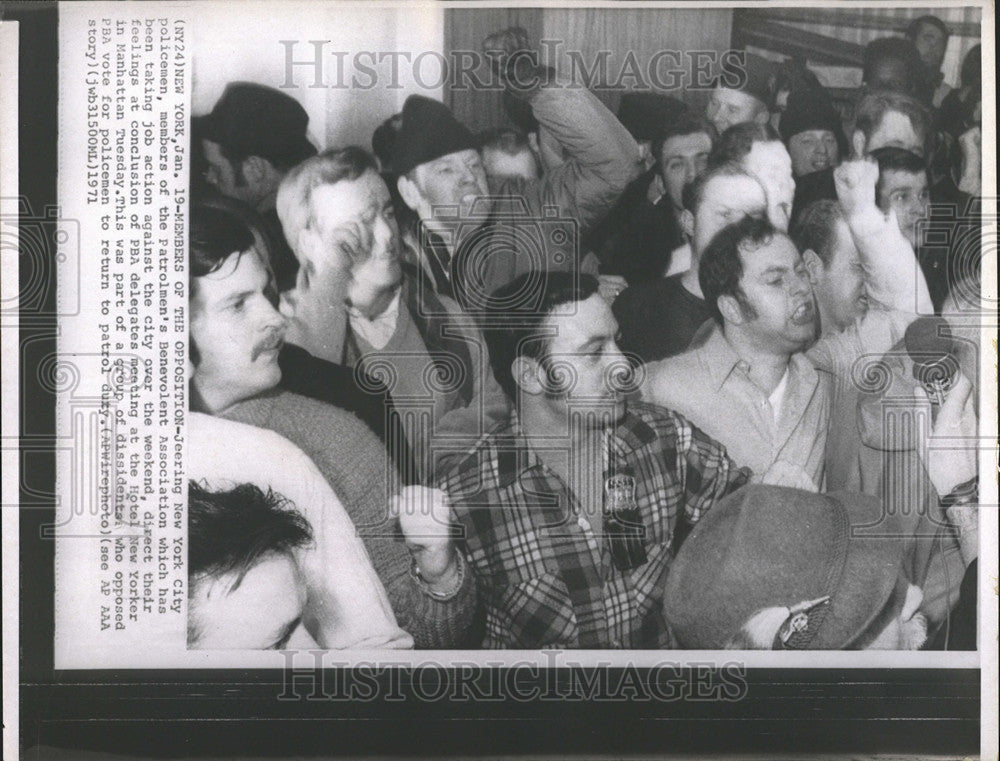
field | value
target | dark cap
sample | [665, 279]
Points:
[761, 79]
[811, 109]
[383, 138]
[429, 131]
[770, 546]
[646, 114]
[253, 120]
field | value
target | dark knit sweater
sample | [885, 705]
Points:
[353, 461]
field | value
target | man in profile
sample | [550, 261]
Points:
[868, 290]
[246, 591]
[748, 383]
[236, 336]
[252, 137]
[570, 509]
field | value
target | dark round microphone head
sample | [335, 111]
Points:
[929, 343]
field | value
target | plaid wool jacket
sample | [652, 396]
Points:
[546, 578]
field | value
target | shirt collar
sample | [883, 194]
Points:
[721, 360]
[719, 357]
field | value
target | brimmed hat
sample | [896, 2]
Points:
[646, 114]
[811, 109]
[769, 546]
[429, 131]
[253, 120]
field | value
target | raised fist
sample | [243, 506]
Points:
[515, 62]
[971, 142]
[855, 182]
[499, 46]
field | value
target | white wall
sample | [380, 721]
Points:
[243, 41]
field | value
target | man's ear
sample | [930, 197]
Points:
[858, 143]
[525, 371]
[763, 116]
[730, 309]
[687, 223]
[813, 264]
[409, 192]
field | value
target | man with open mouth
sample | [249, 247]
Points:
[746, 382]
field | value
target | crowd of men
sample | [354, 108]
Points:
[652, 379]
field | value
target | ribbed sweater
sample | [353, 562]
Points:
[353, 461]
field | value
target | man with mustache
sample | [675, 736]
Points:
[236, 336]
[748, 383]
[570, 508]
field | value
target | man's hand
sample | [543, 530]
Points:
[971, 142]
[425, 516]
[855, 182]
[951, 448]
[512, 58]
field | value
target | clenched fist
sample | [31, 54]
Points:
[512, 58]
[425, 517]
[855, 182]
